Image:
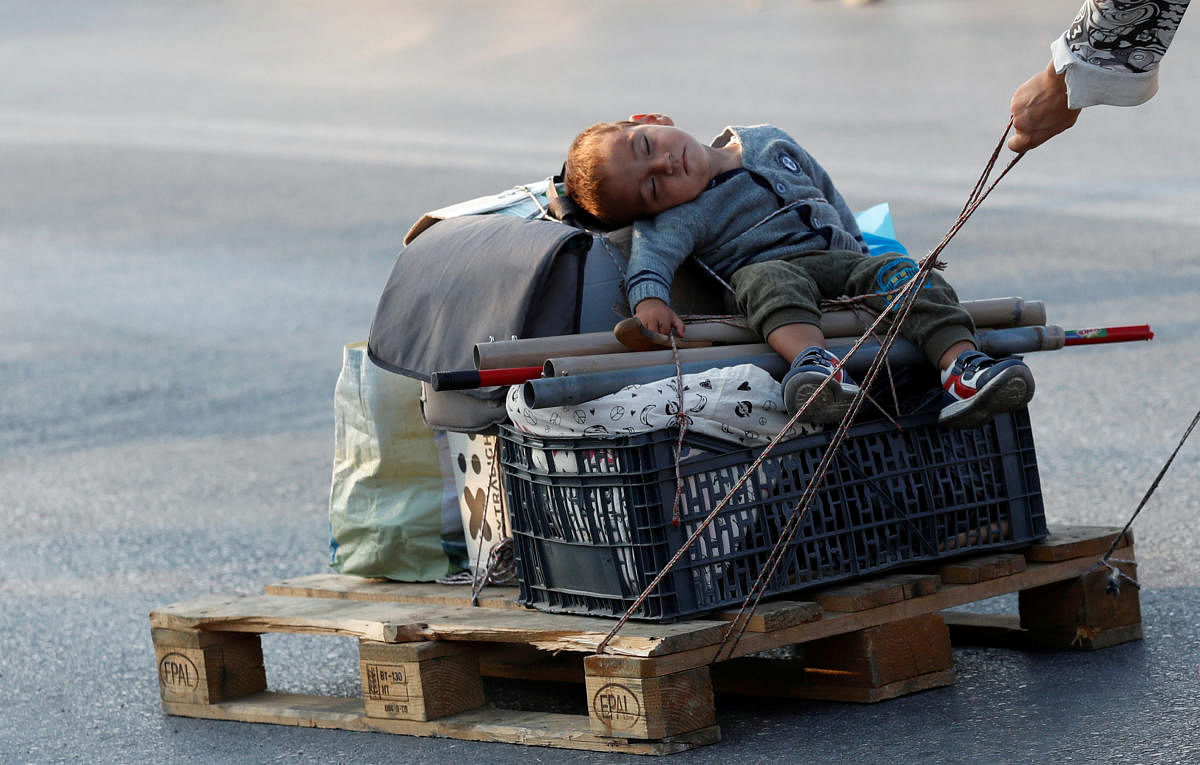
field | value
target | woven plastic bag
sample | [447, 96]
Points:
[386, 500]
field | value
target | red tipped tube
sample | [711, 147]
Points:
[1098, 335]
[467, 379]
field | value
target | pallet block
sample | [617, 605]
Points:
[418, 681]
[423, 650]
[866, 666]
[627, 698]
[208, 667]
[1075, 613]
[881, 662]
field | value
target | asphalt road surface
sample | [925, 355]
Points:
[199, 204]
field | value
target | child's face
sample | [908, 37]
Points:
[651, 168]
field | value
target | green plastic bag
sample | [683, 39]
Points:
[385, 504]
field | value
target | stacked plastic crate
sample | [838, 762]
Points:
[592, 519]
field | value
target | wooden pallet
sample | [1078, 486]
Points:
[423, 649]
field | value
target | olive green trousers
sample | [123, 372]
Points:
[789, 290]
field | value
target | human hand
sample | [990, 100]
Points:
[657, 316]
[1039, 110]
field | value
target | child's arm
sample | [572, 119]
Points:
[659, 246]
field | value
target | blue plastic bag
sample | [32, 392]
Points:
[877, 230]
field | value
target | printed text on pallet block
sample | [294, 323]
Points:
[418, 681]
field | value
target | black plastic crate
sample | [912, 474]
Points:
[592, 523]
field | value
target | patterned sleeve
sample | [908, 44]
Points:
[1112, 49]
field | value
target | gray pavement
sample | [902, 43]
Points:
[200, 203]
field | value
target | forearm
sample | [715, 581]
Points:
[658, 248]
[645, 284]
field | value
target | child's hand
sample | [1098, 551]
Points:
[657, 316]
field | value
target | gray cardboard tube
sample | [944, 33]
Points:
[993, 313]
[1000, 313]
[575, 389]
[532, 352]
[1006, 342]
[993, 342]
[576, 365]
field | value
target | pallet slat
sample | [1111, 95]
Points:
[403, 622]
[1067, 542]
[484, 724]
[350, 587]
[982, 569]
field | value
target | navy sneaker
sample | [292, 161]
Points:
[978, 387]
[809, 370]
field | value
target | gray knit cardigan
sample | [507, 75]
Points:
[783, 203]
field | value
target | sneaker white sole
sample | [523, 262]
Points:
[1004, 394]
